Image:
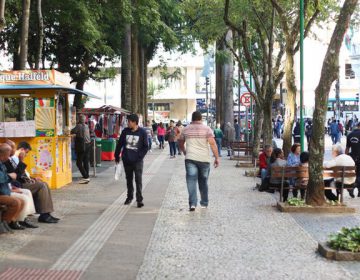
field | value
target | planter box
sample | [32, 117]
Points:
[285, 207]
[331, 254]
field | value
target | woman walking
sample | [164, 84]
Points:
[161, 135]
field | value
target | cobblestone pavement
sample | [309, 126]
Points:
[240, 236]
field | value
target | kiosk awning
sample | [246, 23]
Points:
[67, 89]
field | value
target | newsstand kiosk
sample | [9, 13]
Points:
[35, 108]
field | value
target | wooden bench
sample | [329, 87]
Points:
[340, 172]
[242, 153]
[284, 174]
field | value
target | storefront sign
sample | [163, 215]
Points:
[33, 77]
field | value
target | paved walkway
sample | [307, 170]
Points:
[240, 236]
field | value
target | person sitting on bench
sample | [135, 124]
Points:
[39, 189]
[339, 159]
[14, 205]
[264, 161]
[277, 160]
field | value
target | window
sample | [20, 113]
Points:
[159, 106]
[18, 109]
[349, 73]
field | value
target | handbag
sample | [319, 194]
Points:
[118, 171]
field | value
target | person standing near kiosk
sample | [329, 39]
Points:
[82, 148]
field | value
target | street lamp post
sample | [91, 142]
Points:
[302, 130]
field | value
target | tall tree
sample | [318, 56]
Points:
[258, 35]
[40, 34]
[23, 54]
[329, 73]
[2, 14]
[290, 26]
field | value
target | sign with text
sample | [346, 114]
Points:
[33, 77]
[245, 99]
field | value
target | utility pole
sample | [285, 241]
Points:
[337, 98]
[302, 130]
[207, 99]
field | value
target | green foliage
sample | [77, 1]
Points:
[347, 239]
[294, 201]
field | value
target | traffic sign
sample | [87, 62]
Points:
[245, 99]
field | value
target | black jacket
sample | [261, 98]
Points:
[133, 145]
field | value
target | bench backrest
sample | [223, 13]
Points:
[299, 172]
[339, 172]
[302, 172]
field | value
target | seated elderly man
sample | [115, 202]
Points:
[40, 190]
[264, 161]
[339, 159]
[23, 194]
[14, 205]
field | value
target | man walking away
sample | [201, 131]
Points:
[150, 134]
[229, 136]
[133, 146]
[82, 148]
[334, 132]
[218, 138]
[171, 137]
[198, 137]
[353, 149]
[237, 130]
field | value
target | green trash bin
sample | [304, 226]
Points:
[108, 149]
[97, 152]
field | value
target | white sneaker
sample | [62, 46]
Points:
[84, 181]
[203, 207]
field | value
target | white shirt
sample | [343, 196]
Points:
[342, 160]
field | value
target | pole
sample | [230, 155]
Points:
[337, 97]
[239, 93]
[247, 125]
[207, 100]
[302, 131]
[251, 110]
[212, 112]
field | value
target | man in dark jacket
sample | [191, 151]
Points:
[132, 147]
[82, 148]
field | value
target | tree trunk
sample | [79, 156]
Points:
[258, 124]
[134, 70]
[126, 69]
[2, 15]
[219, 93]
[290, 100]
[329, 73]
[38, 56]
[146, 88]
[229, 92]
[267, 129]
[24, 34]
[142, 83]
[78, 100]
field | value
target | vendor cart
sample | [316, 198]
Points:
[35, 108]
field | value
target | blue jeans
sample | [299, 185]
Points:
[334, 138]
[263, 174]
[218, 143]
[149, 142]
[197, 172]
[172, 146]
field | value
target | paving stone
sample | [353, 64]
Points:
[240, 236]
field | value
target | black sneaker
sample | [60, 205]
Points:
[26, 223]
[192, 208]
[127, 201]
[140, 204]
[16, 226]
